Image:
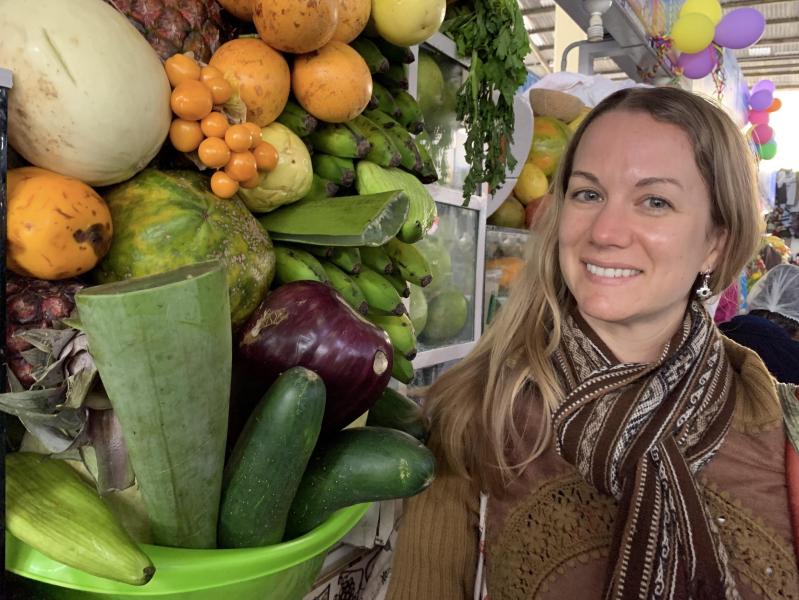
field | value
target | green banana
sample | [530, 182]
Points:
[410, 159]
[321, 188]
[400, 331]
[294, 264]
[340, 171]
[394, 53]
[371, 54]
[299, 120]
[412, 264]
[347, 258]
[401, 369]
[385, 101]
[375, 257]
[382, 149]
[380, 294]
[338, 140]
[317, 251]
[402, 287]
[427, 173]
[396, 78]
[410, 114]
[345, 285]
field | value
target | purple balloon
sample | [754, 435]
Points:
[740, 28]
[760, 100]
[698, 64]
[758, 117]
[764, 84]
[762, 134]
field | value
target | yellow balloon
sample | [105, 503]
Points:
[710, 8]
[692, 32]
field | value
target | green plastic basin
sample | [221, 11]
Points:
[281, 572]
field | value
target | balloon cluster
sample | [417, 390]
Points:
[761, 104]
[700, 32]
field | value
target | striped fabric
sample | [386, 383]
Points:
[641, 432]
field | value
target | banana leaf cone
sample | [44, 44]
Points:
[163, 348]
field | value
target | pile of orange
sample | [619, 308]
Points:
[236, 151]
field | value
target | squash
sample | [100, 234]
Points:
[293, 26]
[58, 227]
[90, 98]
[333, 84]
[353, 15]
[259, 74]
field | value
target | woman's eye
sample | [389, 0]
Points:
[657, 203]
[586, 195]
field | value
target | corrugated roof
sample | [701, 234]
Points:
[775, 56]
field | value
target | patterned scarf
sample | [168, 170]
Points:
[640, 433]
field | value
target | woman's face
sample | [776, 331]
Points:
[635, 227]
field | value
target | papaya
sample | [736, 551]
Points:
[168, 219]
[550, 138]
[58, 227]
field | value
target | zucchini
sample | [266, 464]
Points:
[369, 219]
[50, 508]
[397, 411]
[163, 347]
[360, 464]
[268, 461]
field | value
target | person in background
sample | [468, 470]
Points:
[603, 440]
[771, 327]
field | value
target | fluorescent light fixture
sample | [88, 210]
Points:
[760, 51]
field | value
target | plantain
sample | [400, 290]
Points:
[385, 101]
[394, 53]
[382, 149]
[400, 331]
[410, 160]
[402, 369]
[338, 140]
[380, 294]
[411, 263]
[340, 171]
[395, 78]
[410, 114]
[295, 264]
[299, 120]
[402, 287]
[347, 258]
[345, 285]
[376, 257]
[321, 188]
[371, 54]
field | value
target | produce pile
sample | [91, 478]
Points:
[556, 117]
[220, 258]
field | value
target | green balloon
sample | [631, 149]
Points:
[768, 150]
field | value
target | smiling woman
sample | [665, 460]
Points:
[602, 415]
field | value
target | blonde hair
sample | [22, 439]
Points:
[475, 406]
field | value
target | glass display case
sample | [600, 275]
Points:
[504, 259]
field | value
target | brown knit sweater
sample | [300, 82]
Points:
[549, 535]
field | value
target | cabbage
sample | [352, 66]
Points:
[289, 181]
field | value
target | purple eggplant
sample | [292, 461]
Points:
[306, 323]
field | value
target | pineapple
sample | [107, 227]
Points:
[33, 304]
[177, 26]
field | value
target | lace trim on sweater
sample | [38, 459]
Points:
[567, 521]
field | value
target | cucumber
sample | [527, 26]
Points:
[50, 508]
[360, 464]
[268, 461]
[397, 411]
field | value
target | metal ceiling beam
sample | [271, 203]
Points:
[538, 10]
[768, 58]
[778, 40]
[737, 3]
[768, 73]
[543, 29]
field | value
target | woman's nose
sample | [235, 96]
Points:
[612, 225]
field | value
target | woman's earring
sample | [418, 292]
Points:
[703, 292]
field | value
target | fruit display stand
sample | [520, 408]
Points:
[5, 86]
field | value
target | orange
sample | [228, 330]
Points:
[213, 153]
[241, 166]
[191, 100]
[214, 125]
[185, 135]
[223, 186]
[238, 138]
[266, 156]
[179, 68]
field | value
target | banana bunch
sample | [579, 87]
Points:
[374, 280]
